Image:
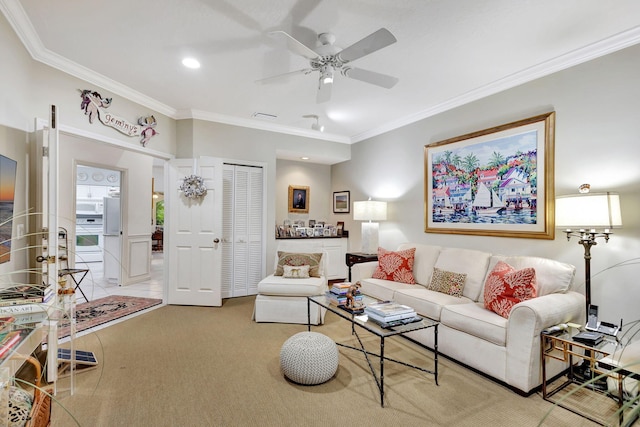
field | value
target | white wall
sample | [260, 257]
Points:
[316, 177]
[597, 142]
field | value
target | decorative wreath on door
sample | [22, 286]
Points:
[193, 187]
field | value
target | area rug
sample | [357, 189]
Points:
[103, 310]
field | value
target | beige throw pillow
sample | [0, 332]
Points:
[447, 282]
[295, 271]
[298, 259]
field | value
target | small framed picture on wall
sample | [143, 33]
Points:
[298, 199]
[341, 202]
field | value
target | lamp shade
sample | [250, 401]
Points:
[588, 210]
[369, 210]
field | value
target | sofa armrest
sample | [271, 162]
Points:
[363, 270]
[526, 320]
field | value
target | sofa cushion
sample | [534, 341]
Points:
[470, 262]
[295, 271]
[396, 266]
[477, 321]
[277, 285]
[383, 290]
[447, 282]
[505, 287]
[552, 276]
[426, 302]
[424, 260]
[296, 259]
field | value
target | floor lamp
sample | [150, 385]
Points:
[370, 210]
[588, 217]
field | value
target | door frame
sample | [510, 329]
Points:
[43, 125]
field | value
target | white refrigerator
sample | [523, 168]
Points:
[111, 229]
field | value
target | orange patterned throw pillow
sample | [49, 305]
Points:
[396, 266]
[505, 287]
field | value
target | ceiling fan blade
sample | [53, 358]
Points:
[281, 76]
[324, 92]
[372, 77]
[295, 46]
[373, 42]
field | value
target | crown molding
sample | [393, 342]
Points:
[579, 56]
[21, 24]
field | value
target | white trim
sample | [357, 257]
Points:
[43, 123]
[21, 24]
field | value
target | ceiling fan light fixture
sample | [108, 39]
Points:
[326, 75]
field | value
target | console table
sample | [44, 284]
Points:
[353, 258]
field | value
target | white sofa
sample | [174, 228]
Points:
[284, 300]
[507, 349]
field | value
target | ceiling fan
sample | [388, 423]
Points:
[328, 59]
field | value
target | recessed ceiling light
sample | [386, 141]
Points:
[304, 158]
[191, 63]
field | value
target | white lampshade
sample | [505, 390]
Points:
[589, 210]
[369, 210]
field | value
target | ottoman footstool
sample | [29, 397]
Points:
[309, 358]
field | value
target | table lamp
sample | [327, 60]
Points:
[370, 210]
[588, 216]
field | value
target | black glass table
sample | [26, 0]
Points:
[362, 321]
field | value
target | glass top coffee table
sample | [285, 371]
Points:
[362, 321]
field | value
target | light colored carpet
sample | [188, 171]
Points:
[197, 366]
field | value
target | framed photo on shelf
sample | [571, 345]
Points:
[298, 199]
[341, 202]
[494, 182]
[340, 227]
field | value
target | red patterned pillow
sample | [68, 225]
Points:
[505, 287]
[396, 266]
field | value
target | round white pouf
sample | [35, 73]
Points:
[309, 358]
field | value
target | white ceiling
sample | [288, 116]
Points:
[448, 52]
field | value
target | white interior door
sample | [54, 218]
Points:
[193, 235]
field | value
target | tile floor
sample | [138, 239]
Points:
[96, 286]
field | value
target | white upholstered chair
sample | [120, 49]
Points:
[284, 300]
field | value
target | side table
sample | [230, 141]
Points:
[353, 258]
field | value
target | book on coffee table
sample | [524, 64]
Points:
[388, 308]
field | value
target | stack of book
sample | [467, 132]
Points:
[25, 294]
[389, 313]
[338, 293]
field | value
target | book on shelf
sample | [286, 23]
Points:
[389, 308]
[22, 309]
[20, 301]
[389, 318]
[9, 341]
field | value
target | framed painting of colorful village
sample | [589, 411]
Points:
[494, 182]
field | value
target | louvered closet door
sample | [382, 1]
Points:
[243, 230]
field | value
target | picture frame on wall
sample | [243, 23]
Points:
[494, 182]
[298, 199]
[341, 202]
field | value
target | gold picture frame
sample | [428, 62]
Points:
[298, 199]
[494, 182]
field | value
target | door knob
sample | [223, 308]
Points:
[216, 240]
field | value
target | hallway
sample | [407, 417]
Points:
[96, 286]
